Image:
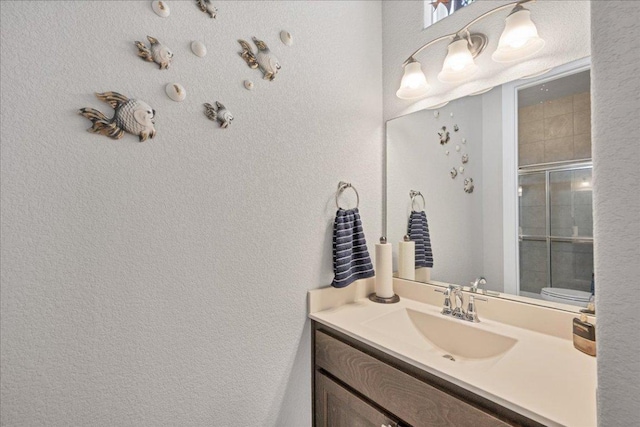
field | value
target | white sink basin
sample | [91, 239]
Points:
[460, 339]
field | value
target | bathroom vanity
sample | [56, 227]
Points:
[406, 364]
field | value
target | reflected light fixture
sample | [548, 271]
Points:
[519, 40]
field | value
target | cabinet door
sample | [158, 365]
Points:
[338, 407]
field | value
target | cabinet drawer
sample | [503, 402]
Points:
[338, 407]
[403, 395]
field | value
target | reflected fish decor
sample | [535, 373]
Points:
[444, 135]
[468, 185]
[156, 52]
[131, 115]
[218, 113]
[263, 59]
[207, 7]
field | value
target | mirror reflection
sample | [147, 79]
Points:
[504, 180]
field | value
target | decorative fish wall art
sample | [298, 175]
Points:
[468, 185]
[263, 59]
[161, 8]
[444, 135]
[156, 52]
[218, 113]
[131, 115]
[207, 7]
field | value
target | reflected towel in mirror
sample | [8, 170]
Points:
[351, 260]
[418, 231]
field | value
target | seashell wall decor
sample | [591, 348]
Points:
[444, 135]
[218, 113]
[465, 158]
[161, 8]
[453, 172]
[436, 114]
[207, 7]
[286, 38]
[262, 59]
[175, 91]
[468, 185]
[456, 128]
[131, 115]
[248, 84]
[156, 52]
[198, 48]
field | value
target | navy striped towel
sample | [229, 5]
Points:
[418, 231]
[351, 259]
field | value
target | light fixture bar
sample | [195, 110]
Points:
[465, 28]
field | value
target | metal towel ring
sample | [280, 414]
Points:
[343, 186]
[413, 194]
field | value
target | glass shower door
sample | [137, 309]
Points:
[532, 230]
[571, 228]
[555, 228]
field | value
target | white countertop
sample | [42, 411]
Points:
[542, 377]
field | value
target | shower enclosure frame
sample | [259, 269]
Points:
[548, 169]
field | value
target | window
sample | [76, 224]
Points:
[436, 10]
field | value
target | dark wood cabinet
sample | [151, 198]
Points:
[357, 385]
[338, 407]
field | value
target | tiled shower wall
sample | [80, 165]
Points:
[556, 130]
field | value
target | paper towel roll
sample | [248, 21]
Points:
[423, 274]
[384, 270]
[407, 259]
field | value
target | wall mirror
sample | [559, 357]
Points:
[526, 225]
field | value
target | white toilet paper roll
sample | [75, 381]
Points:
[384, 270]
[407, 260]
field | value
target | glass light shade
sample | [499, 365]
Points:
[414, 83]
[519, 40]
[458, 65]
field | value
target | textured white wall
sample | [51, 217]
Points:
[563, 24]
[615, 108]
[165, 283]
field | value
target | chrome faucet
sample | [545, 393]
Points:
[456, 309]
[480, 281]
[446, 305]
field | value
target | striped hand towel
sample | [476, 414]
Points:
[351, 259]
[418, 231]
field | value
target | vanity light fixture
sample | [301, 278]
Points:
[414, 83]
[459, 65]
[519, 40]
